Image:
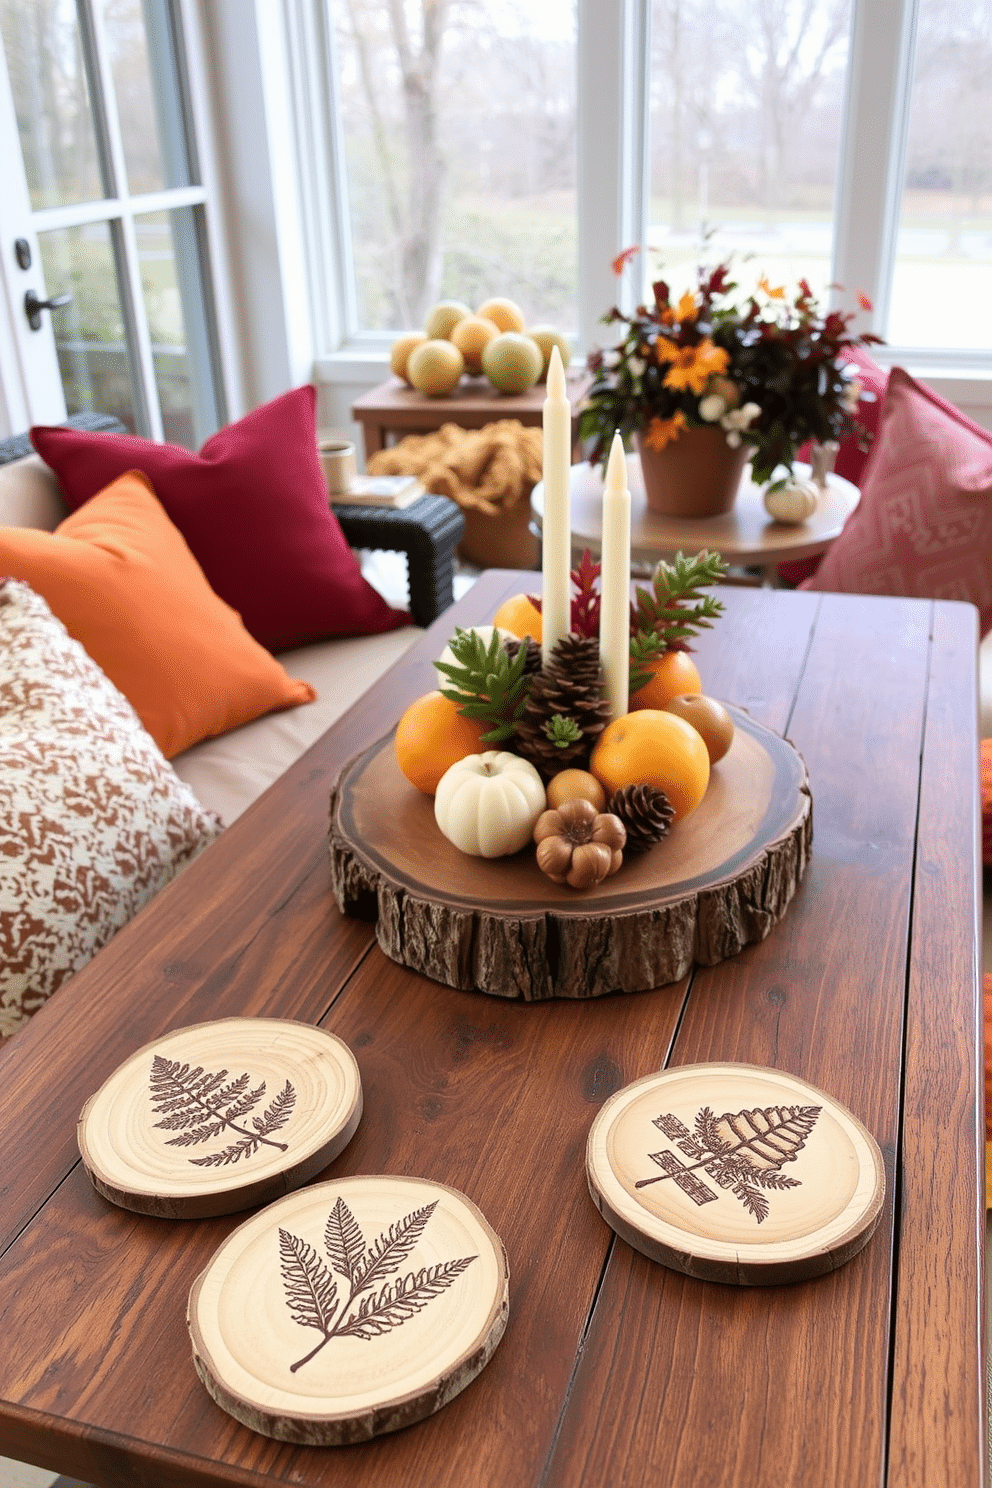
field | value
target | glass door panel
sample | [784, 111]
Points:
[163, 285]
[746, 114]
[97, 371]
[43, 45]
[148, 103]
[139, 338]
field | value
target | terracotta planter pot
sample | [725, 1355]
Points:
[697, 475]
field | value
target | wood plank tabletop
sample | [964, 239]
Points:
[613, 1370]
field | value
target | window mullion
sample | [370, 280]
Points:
[345, 327]
[148, 413]
[612, 147]
[872, 155]
[103, 103]
[147, 410]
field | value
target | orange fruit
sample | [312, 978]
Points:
[653, 748]
[519, 616]
[673, 674]
[431, 736]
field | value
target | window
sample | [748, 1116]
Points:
[746, 119]
[848, 142]
[458, 128]
[940, 288]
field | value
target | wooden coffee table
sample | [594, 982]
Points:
[746, 536]
[613, 1370]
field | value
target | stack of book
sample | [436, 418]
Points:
[396, 491]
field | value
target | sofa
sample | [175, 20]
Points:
[82, 776]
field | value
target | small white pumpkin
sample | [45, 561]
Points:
[487, 804]
[791, 501]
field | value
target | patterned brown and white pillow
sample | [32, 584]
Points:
[93, 820]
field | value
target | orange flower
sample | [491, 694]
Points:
[686, 307]
[665, 350]
[692, 366]
[773, 294]
[668, 316]
[663, 431]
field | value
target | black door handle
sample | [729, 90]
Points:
[33, 307]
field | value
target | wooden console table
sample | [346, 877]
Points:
[614, 1372]
[395, 408]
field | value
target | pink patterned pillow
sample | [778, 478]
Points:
[923, 527]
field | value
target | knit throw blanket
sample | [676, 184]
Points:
[489, 469]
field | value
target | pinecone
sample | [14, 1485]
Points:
[532, 665]
[570, 688]
[645, 811]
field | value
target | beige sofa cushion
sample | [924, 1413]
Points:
[30, 495]
[228, 773]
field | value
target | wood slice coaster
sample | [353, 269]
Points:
[349, 1310]
[733, 1173]
[220, 1116]
[721, 879]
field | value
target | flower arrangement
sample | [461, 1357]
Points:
[764, 368]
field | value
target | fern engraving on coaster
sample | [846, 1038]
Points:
[742, 1152]
[312, 1290]
[200, 1106]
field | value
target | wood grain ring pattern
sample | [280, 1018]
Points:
[734, 1173]
[220, 1116]
[349, 1310]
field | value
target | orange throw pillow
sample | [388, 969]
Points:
[987, 989]
[120, 577]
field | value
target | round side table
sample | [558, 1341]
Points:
[746, 536]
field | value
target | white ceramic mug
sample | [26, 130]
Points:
[337, 460]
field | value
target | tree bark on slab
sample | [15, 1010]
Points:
[719, 882]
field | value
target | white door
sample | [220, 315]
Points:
[102, 221]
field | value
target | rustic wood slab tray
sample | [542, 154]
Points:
[350, 1309]
[733, 1173]
[720, 881]
[220, 1116]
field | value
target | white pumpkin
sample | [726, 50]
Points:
[485, 634]
[791, 501]
[487, 804]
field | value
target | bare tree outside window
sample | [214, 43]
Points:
[746, 109]
[459, 130]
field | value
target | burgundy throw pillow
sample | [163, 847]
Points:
[923, 527]
[252, 505]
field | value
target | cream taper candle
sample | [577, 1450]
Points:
[556, 527]
[614, 610]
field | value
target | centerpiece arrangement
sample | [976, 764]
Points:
[567, 813]
[709, 379]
